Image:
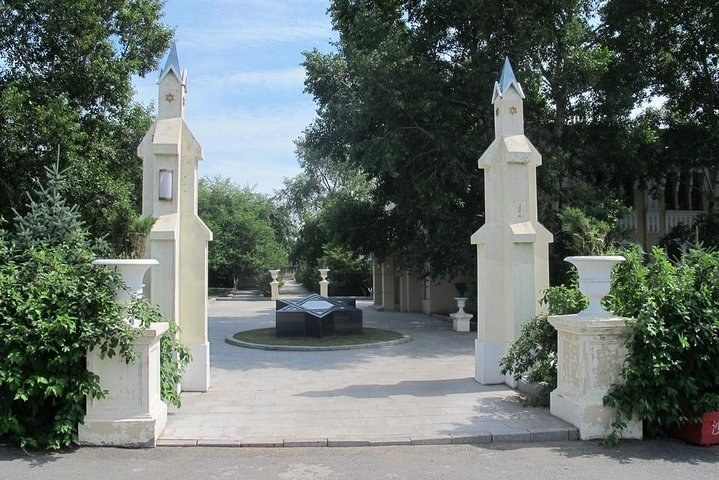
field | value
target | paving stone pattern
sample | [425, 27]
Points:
[421, 392]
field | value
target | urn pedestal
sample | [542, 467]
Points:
[132, 414]
[590, 355]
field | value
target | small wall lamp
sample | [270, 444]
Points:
[165, 185]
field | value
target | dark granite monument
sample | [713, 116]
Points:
[317, 316]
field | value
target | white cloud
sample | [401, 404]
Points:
[279, 79]
[252, 147]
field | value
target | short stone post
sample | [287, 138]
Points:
[324, 284]
[460, 319]
[274, 285]
[590, 354]
[133, 413]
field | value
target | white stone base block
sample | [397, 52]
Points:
[590, 354]
[139, 432]
[590, 416]
[132, 414]
[197, 374]
[460, 321]
[487, 355]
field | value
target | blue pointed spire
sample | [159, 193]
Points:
[507, 80]
[172, 63]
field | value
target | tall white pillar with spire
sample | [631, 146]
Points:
[512, 246]
[179, 238]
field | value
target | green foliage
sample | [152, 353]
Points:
[128, 231]
[248, 239]
[55, 307]
[534, 354]
[404, 101]
[703, 232]
[588, 235]
[66, 95]
[349, 274]
[670, 374]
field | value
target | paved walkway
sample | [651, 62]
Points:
[421, 392]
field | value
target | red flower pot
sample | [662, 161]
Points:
[704, 433]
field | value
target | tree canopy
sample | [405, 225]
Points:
[248, 233]
[66, 96]
[405, 101]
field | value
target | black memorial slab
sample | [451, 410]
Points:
[317, 316]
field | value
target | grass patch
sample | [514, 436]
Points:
[266, 336]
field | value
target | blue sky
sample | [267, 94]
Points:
[245, 100]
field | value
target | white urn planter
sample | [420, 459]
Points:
[595, 274]
[274, 285]
[132, 271]
[461, 302]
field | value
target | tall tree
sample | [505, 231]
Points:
[405, 98]
[669, 49]
[245, 243]
[65, 95]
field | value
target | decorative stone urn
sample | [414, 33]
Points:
[461, 301]
[274, 285]
[595, 280]
[132, 272]
[324, 284]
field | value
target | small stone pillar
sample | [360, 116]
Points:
[590, 355]
[460, 319]
[324, 284]
[274, 285]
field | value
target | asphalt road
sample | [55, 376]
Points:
[662, 459]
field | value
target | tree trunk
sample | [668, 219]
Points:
[714, 190]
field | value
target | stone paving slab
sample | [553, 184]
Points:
[419, 393]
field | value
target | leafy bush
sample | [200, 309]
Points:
[534, 353]
[350, 274]
[670, 373]
[54, 307]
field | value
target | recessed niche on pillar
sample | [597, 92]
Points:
[165, 187]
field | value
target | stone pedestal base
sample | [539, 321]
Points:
[274, 290]
[197, 374]
[460, 321]
[590, 354]
[324, 288]
[132, 414]
[487, 355]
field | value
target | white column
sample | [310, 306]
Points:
[274, 285]
[512, 246]
[324, 284]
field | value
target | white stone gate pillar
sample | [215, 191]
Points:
[179, 238]
[512, 246]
